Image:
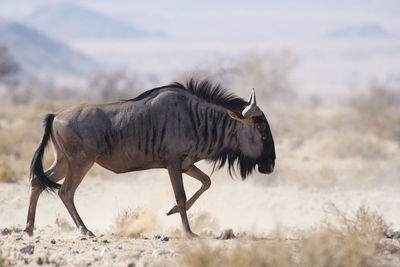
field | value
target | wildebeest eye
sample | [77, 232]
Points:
[261, 126]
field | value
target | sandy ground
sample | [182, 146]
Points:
[256, 207]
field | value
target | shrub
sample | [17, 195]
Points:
[341, 241]
[7, 173]
[133, 223]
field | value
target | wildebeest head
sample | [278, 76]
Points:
[255, 140]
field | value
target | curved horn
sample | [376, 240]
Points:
[252, 99]
[249, 110]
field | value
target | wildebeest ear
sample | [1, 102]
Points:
[234, 115]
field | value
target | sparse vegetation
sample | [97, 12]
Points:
[7, 174]
[342, 241]
[378, 110]
[317, 147]
[2, 260]
[133, 223]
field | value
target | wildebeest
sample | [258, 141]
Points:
[170, 127]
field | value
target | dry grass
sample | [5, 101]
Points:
[7, 173]
[273, 253]
[342, 241]
[20, 133]
[378, 111]
[133, 223]
[2, 260]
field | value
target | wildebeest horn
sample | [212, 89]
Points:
[252, 99]
[251, 110]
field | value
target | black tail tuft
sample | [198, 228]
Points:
[36, 164]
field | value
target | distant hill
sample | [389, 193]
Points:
[66, 21]
[361, 31]
[37, 53]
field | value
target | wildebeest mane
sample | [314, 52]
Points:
[235, 160]
[204, 89]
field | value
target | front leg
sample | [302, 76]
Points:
[175, 174]
[205, 181]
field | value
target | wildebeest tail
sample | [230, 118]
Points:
[37, 160]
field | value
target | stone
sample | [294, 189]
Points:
[227, 234]
[164, 238]
[104, 251]
[6, 231]
[28, 249]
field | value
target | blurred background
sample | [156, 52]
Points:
[326, 74]
[318, 50]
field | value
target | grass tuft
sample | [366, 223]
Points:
[133, 223]
[342, 241]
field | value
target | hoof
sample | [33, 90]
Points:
[172, 209]
[191, 235]
[29, 231]
[87, 233]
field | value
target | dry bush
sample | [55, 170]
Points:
[271, 253]
[3, 261]
[378, 111]
[347, 241]
[113, 86]
[203, 221]
[352, 144]
[63, 224]
[133, 223]
[342, 241]
[20, 133]
[7, 173]
[269, 74]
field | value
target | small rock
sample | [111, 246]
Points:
[242, 235]
[94, 240]
[83, 238]
[6, 231]
[392, 246]
[105, 241]
[28, 249]
[53, 241]
[39, 261]
[227, 234]
[104, 251]
[158, 252]
[157, 236]
[164, 238]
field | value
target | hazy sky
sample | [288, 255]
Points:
[235, 19]
[202, 30]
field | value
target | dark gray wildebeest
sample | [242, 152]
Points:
[170, 127]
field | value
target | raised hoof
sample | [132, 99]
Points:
[172, 209]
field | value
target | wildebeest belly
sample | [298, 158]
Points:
[122, 165]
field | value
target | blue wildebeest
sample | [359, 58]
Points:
[170, 127]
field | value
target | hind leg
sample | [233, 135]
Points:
[76, 171]
[56, 172]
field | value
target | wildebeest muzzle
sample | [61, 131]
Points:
[266, 168]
